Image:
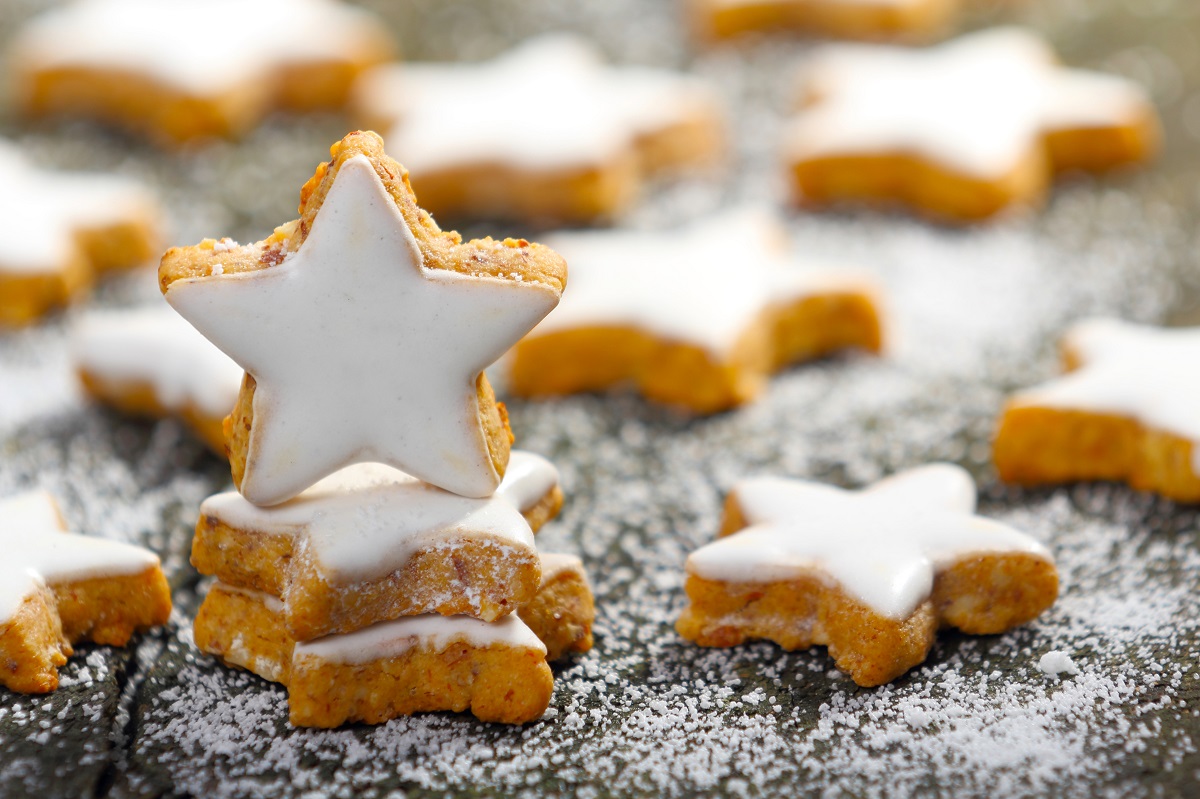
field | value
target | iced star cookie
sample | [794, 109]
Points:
[1126, 410]
[60, 588]
[189, 69]
[871, 574]
[847, 19]
[546, 131]
[64, 228]
[562, 611]
[151, 362]
[415, 664]
[369, 544]
[697, 317]
[364, 330]
[961, 131]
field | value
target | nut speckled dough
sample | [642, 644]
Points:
[510, 260]
[180, 71]
[78, 588]
[498, 681]
[959, 132]
[847, 19]
[793, 589]
[1125, 410]
[562, 612]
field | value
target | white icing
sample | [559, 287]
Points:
[554, 564]
[37, 552]
[1139, 372]
[367, 520]
[201, 47]
[157, 347]
[882, 545]
[978, 104]
[43, 210]
[361, 353]
[548, 104]
[703, 285]
[429, 631]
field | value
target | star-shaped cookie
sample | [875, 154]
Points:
[848, 19]
[871, 574]
[364, 331]
[58, 588]
[1129, 409]
[187, 69]
[151, 362]
[961, 131]
[545, 131]
[61, 229]
[697, 317]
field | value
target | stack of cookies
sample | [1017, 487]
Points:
[378, 556]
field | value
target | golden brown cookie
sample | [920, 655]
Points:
[182, 71]
[844, 19]
[59, 588]
[698, 317]
[364, 330]
[961, 131]
[562, 612]
[872, 574]
[1126, 411]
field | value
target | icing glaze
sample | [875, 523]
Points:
[201, 47]
[155, 346]
[367, 520]
[554, 564]
[38, 551]
[883, 545]
[47, 209]
[428, 631]
[703, 285]
[448, 115]
[978, 104]
[360, 351]
[1129, 370]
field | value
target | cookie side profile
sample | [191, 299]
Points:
[478, 143]
[960, 132]
[151, 362]
[370, 544]
[697, 318]
[177, 72]
[1125, 410]
[408, 316]
[871, 574]
[416, 664]
[60, 588]
[843, 19]
[67, 228]
[562, 611]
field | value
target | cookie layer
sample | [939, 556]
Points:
[870, 574]
[59, 588]
[698, 317]
[847, 19]
[370, 544]
[961, 131]
[1125, 411]
[410, 317]
[562, 612]
[546, 131]
[496, 670]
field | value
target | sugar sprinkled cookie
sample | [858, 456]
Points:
[151, 362]
[871, 574]
[370, 543]
[364, 330]
[414, 664]
[961, 131]
[697, 317]
[64, 228]
[60, 588]
[546, 131]
[189, 69]
[849, 19]
[1128, 409]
